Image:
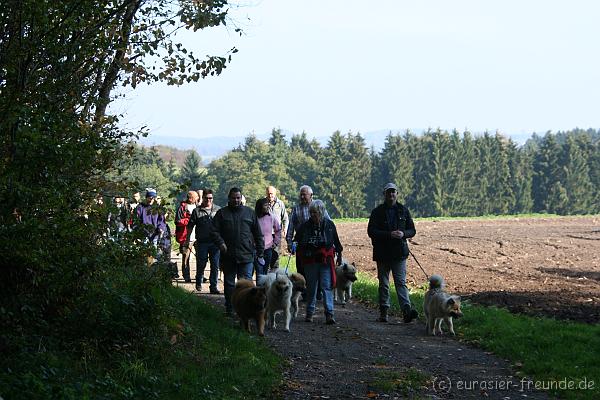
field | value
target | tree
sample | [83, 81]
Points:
[60, 61]
[546, 175]
[344, 177]
[521, 173]
[192, 171]
[576, 179]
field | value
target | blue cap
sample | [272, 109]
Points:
[150, 192]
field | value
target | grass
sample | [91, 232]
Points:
[207, 357]
[482, 217]
[545, 352]
[407, 382]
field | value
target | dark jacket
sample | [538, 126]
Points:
[201, 219]
[329, 236]
[386, 248]
[238, 228]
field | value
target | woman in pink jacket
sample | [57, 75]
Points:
[271, 230]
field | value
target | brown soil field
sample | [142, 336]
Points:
[536, 266]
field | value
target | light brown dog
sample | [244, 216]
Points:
[249, 303]
[299, 286]
[345, 276]
[439, 306]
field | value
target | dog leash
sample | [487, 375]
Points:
[419, 264]
[290, 257]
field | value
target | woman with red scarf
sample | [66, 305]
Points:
[318, 243]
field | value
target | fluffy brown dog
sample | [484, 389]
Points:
[249, 303]
[299, 286]
[439, 306]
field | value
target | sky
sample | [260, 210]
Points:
[361, 66]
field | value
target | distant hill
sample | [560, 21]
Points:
[208, 148]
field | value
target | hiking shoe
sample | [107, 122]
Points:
[204, 280]
[410, 315]
[329, 320]
[198, 287]
[383, 314]
[308, 318]
[215, 291]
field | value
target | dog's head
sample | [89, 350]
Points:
[258, 297]
[282, 284]
[298, 281]
[347, 271]
[453, 307]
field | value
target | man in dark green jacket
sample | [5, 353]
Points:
[390, 225]
[238, 235]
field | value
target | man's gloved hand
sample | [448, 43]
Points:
[223, 248]
[339, 259]
[261, 261]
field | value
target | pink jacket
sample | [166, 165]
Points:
[271, 230]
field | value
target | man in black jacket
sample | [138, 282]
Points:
[236, 232]
[390, 225]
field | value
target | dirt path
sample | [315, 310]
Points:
[351, 360]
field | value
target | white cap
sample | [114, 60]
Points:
[390, 186]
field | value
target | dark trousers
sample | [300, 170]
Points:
[203, 252]
[263, 269]
[231, 271]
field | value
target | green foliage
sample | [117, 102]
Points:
[76, 302]
[193, 171]
[197, 353]
[438, 173]
[345, 175]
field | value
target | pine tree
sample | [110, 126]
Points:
[546, 175]
[521, 179]
[423, 173]
[172, 170]
[576, 174]
[397, 166]
[192, 171]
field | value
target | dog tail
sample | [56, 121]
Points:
[436, 282]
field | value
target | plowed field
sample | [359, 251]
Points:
[536, 266]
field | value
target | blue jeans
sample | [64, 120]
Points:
[203, 251]
[398, 269]
[231, 270]
[263, 269]
[318, 274]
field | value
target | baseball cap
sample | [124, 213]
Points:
[390, 186]
[150, 192]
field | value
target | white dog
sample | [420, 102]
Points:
[279, 297]
[298, 286]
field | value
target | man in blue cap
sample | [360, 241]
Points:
[150, 219]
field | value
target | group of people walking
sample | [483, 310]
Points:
[240, 241]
